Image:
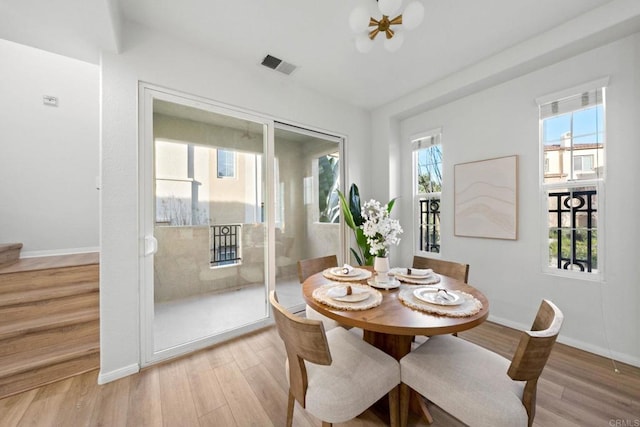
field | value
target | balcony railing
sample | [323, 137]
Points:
[226, 244]
[573, 229]
[430, 225]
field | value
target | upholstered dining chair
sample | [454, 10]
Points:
[308, 267]
[456, 270]
[333, 374]
[477, 386]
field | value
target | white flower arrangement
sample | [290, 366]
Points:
[381, 230]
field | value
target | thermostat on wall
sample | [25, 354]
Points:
[50, 100]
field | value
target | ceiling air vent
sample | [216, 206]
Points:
[278, 64]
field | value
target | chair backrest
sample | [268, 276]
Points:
[448, 268]
[535, 345]
[304, 339]
[307, 267]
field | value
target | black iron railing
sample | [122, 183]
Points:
[573, 225]
[430, 225]
[226, 244]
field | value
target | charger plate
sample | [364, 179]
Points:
[469, 307]
[362, 275]
[321, 295]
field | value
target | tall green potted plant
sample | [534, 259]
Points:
[352, 212]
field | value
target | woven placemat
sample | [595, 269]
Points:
[363, 275]
[469, 307]
[374, 300]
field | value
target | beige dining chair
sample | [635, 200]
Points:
[333, 374]
[477, 386]
[458, 271]
[311, 266]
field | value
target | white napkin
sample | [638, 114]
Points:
[341, 291]
[346, 269]
[411, 271]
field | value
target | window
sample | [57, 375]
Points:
[226, 164]
[427, 184]
[572, 138]
[181, 182]
[328, 186]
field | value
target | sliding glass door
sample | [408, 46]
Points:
[205, 268]
[307, 219]
[229, 203]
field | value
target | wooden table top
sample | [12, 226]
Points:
[393, 317]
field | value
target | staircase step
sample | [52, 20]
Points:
[42, 310]
[51, 292]
[37, 377]
[49, 320]
[9, 253]
[31, 325]
[30, 280]
[48, 341]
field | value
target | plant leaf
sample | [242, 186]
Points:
[348, 218]
[391, 203]
[356, 256]
[354, 205]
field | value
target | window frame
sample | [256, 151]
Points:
[416, 196]
[573, 184]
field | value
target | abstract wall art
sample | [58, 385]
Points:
[486, 198]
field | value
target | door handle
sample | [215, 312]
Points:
[150, 245]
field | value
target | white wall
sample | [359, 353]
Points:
[150, 57]
[503, 120]
[48, 155]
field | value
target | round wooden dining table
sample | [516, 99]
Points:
[391, 326]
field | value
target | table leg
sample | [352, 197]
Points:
[396, 346]
[399, 346]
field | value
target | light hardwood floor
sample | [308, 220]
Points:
[242, 383]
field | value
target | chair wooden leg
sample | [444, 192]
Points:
[290, 405]
[422, 407]
[529, 399]
[405, 394]
[394, 403]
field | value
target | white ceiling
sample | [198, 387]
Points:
[314, 35]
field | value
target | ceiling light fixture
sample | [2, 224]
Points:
[367, 27]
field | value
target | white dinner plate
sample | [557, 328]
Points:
[434, 296]
[390, 284]
[339, 293]
[338, 272]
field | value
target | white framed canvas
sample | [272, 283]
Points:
[486, 198]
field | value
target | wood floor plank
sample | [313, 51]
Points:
[77, 407]
[273, 397]
[13, 408]
[219, 355]
[178, 407]
[112, 403]
[144, 407]
[221, 416]
[205, 389]
[245, 406]
[243, 353]
[43, 412]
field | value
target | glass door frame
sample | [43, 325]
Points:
[147, 243]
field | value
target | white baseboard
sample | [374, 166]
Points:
[604, 352]
[54, 252]
[106, 377]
